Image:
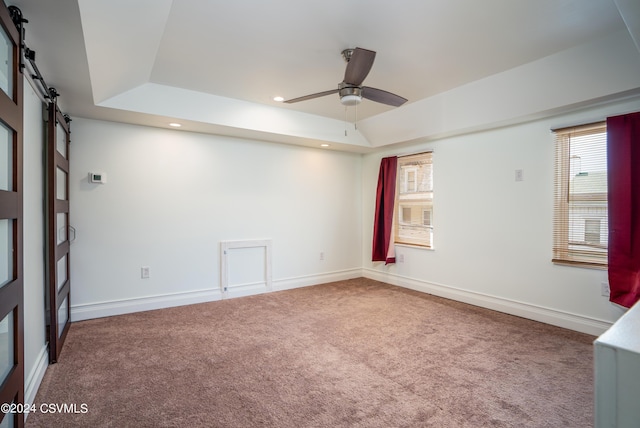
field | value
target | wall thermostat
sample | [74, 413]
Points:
[97, 177]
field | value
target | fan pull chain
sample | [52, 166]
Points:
[355, 123]
[345, 121]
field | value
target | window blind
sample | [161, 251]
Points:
[580, 226]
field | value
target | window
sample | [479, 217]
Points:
[592, 230]
[406, 215]
[410, 183]
[580, 229]
[414, 200]
[426, 217]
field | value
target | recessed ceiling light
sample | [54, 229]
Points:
[175, 125]
[278, 99]
[325, 145]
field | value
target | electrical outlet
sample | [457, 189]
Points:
[604, 289]
[519, 175]
[145, 272]
[400, 258]
[321, 255]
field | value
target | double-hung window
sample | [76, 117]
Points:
[414, 200]
[580, 227]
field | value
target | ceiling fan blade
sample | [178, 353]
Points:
[312, 96]
[359, 66]
[384, 97]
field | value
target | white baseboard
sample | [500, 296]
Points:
[140, 304]
[322, 278]
[242, 290]
[525, 310]
[34, 378]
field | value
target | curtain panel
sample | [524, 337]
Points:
[383, 251]
[623, 165]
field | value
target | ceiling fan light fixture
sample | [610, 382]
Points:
[351, 100]
[350, 95]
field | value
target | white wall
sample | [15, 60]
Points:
[35, 350]
[172, 196]
[493, 235]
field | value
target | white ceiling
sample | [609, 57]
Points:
[107, 57]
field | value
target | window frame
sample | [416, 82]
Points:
[583, 254]
[415, 198]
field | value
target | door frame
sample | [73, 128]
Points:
[11, 208]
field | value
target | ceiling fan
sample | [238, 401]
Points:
[359, 63]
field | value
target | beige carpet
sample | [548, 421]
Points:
[355, 353]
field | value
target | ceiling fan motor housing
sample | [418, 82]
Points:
[350, 95]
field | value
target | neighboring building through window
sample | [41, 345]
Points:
[414, 200]
[592, 230]
[580, 209]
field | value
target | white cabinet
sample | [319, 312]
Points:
[617, 373]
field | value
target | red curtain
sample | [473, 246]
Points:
[385, 200]
[623, 164]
